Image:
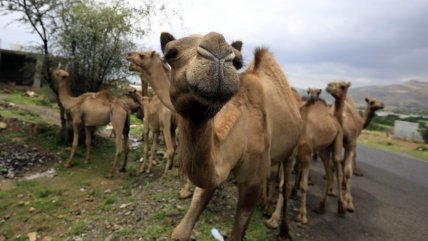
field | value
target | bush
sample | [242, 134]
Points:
[423, 129]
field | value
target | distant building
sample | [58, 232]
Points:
[407, 130]
[19, 67]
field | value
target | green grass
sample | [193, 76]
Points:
[391, 147]
[23, 115]
[78, 227]
[42, 98]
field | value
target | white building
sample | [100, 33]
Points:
[407, 130]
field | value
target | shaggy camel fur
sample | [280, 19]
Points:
[156, 118]
[352, 123]
[217, 108]
[94, 109]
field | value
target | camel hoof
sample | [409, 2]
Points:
[341, 209]
[184, 194]
[358, 172]
[122, 170]
[331, 194]
[271, 223]
[302, 219]
[284, 236]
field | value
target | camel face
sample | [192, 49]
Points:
[205, 65]
[338, 88]
[374, 104]
[59, 74]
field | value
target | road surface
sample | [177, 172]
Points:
[391, 201]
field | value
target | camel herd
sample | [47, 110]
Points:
[250, 124]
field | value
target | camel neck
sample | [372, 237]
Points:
[160, 81]
[339, 106]
[198, 152]
[367, 117]
[65, 97]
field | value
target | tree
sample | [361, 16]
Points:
[92, 36]
[37, 14]
[423, 129]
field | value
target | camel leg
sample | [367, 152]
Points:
[126, 150]
[297, 169]
[88, 141]
[118, 126]
[284, 233]
[325, 157]
[146, 149]
[152, 151]
[273, 221]
[76, 124]
[200, 200]
[245, 208]
[357, 171]
[305, 161]
[186, 191]
[337, 153]
[169, 149]
[347, 173]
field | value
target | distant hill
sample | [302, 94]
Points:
[410, 96]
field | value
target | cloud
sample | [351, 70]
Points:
[367, 42]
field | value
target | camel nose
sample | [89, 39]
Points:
[216, 45]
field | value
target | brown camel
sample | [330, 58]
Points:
[94, 109]
[321, 133]
[352, 123]
[228, 123]
[156, 118]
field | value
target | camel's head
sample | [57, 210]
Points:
[142, 61]
[374, 104]
[313, 93]
[59, 75]
[338, 89]
[203, 70]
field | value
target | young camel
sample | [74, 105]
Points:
[322, 133]
[156, 118]
[352, 123]
[94, 109]
[217, 108]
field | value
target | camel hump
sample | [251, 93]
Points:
[261, 56]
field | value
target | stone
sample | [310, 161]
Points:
[32, 236]
[3, 125]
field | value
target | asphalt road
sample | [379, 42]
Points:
[391, 201]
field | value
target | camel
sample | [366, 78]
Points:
[94, 109]
[321, 133]
[228, 123]
[156, 118]
[352, 123]
[151, 67]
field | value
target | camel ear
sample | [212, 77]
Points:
[309, 90]
[237, 45]
[164, 39]
[319, 91]
[367, 100]
[348, 84]
[153, 54]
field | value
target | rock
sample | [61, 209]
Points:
[21, 203]
[107, 191]
[3, 125]
[20, 196]
[125, 205]
[32, 236]
[31, 210]
[31, 93]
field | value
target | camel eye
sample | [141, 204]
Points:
[237, 62]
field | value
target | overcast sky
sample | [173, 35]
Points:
[366, 42]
